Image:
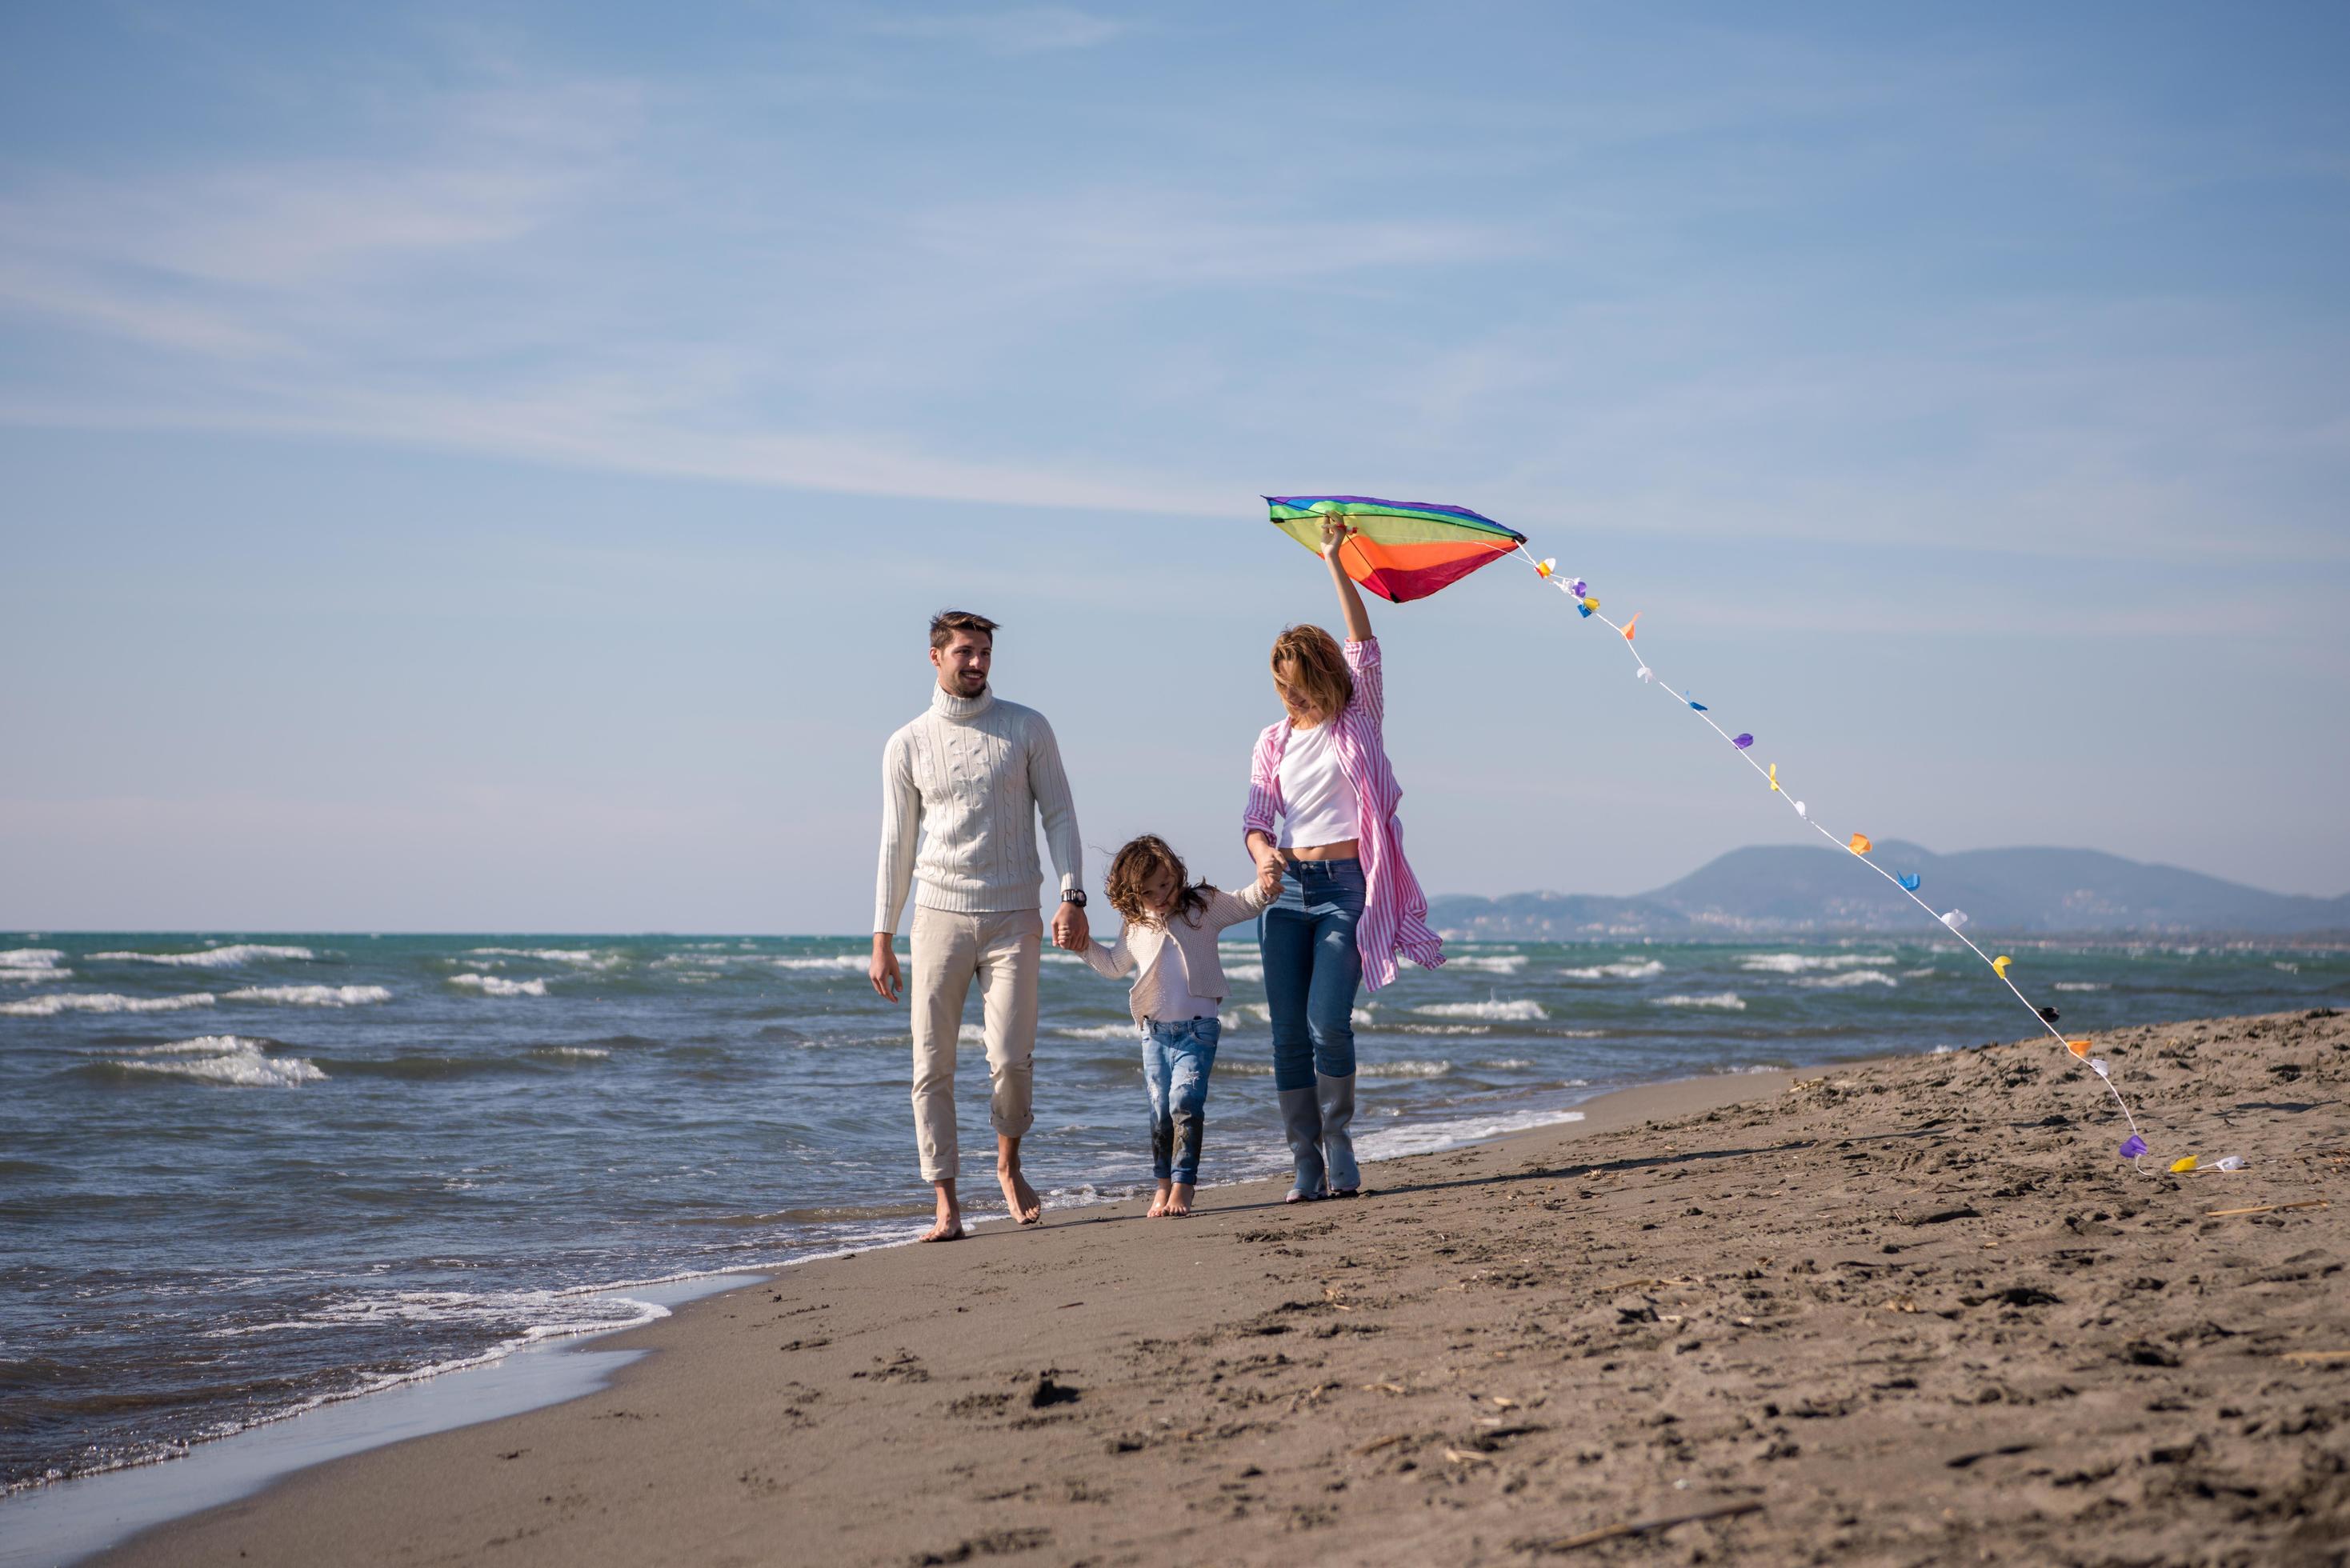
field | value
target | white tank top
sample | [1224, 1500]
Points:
[1316, 806]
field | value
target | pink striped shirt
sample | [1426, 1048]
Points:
[1395, 910]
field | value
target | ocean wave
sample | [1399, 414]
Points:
[49, 1006]
[1406, 1069]
[1799, 963]
[571, 1053]
[1628, 969]
[1505, 1064]
[1521, 1010]
[1919, 973]
[491, 985]
[1102, 1032]
[971, 1035]
[1488, 963]
[311, 995]
[2080, 985]
[1728, 1000]
[1244, 972]
[1438, 1028]
[214, 958]
[1428, 1137]
[577, 957]
[844, 963]
[230, 1059]
[1847, 980]
[26, 966]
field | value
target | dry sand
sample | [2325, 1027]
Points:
[1911, 1312]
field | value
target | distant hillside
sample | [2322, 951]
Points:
[1790, 889]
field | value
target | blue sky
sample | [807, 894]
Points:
[488, 467]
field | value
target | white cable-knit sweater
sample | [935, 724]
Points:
[960, 790]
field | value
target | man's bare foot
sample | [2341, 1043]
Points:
[1018, 1196]
[1157, 1203]
[1179, 1201]
[949, 1227]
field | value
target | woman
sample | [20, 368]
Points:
[1322, 802]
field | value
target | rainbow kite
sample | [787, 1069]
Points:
[1400, 550]
[1408, 550]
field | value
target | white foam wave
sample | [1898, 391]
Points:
[29, 974]
[971, 1035]
[837, 962]
[1102, 1032]
[214, 958]
[1406, 1069]
[1504, 1064]
[1798, 963]
[1428, 1137]
[1728, 1000]
[229, 1059]
[1441, 1028]
[30, 957]
[2081, 985]
[1847, 980]
[577, 957]
[572, 1052]
[49, 1006]
[311, 995]
[1629, 969]
[1520, 1010]
[491, 985]
[1244, 972]
[1919, 973]
[1488, 963]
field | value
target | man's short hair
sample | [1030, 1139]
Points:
[946, 623]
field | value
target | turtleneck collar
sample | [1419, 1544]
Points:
[946, 703]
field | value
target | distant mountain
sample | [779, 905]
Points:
[1790, 889]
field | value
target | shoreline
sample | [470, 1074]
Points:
[1263, 1389]
[246, 1464]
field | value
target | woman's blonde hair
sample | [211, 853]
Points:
[1139, 859]
[1317, 669]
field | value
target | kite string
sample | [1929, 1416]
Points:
[1746, 755]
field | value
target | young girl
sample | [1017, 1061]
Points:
[1322, 806]
[1169, 945]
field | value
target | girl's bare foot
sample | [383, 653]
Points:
[1179, 1201]
[1157, 1203]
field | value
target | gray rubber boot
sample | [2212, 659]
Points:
[1337, 1107]
[1301, 1120]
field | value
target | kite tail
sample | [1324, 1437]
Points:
[2135, 1148]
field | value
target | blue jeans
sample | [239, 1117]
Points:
[1177, 1058]
[1311, 970]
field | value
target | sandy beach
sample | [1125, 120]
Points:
[1913, 1311]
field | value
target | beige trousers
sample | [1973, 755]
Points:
[1002, 952]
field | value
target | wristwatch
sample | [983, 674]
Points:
[1075, 896]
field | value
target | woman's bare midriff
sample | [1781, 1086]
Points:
[1345, 849]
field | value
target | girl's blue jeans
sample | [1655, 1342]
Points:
[1177, 1057]
[1311, 970]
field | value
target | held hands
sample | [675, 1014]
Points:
[1335, 531]
[1268, 878]
[1070, 931]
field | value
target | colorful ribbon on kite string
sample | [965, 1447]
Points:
[2133, 1149]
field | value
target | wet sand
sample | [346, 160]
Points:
[1912, 1311]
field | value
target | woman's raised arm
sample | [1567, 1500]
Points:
[1335, 531]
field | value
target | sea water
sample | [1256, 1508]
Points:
[242, 1176]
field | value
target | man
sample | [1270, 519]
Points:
[961, 787]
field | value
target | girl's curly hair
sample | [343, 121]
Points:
[1141, 859]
